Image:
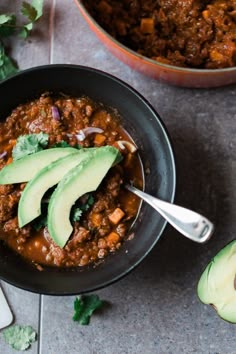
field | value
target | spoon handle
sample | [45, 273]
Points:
[192, 225]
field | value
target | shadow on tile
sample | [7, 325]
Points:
[203, 186]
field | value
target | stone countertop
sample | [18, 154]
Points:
[154, 309]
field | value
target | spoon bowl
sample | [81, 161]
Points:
[189, 223]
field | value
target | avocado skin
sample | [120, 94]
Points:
[216, 285]
[29, 206]
[25, 169]
[84, 178]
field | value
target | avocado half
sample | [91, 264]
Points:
[217, 285]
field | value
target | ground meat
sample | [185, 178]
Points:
[11, 225]
[113, 185]
[121, 229]
[189, 33]
[102, 253]
[101, 204]
[6, 189]
[12, 228]
[80, 235]
[8, 204]
[26, 231]
[56, 255]
[102, 243]
[41, 125]
[105, 226]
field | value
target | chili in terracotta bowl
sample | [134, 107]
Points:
[75, 112]
[189, 44]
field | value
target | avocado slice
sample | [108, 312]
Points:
[84, 178]
[25, 169]
[30, 202]
[217, 285]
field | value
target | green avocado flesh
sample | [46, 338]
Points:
[84, 178]
[30, 202]
[25, 169]
[217, 285]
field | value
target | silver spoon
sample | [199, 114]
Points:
[187, 222]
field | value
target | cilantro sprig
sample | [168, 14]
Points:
[84, 307]
[7, 65]
[76, 213]
[9, 26]
[60, 144]
[29, 144]
[32, 12]
[19, 337]
[40, 222]
[63, 143]
[81, 207]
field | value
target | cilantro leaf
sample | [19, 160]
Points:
[29, 144]
[61, 143]
[81, 206]
[7, 67]
[40, 222]
[28, 11]
[90, 201]
[7, 24]
[19, 337]
[84, 306]
[77, 213]
[33, 12]
[38, 5]
[24, 32]
[4, 18]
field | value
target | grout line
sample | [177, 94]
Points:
[51, 31]
[40, 324]
[51, 54]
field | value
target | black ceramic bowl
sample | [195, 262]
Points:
[148, 132]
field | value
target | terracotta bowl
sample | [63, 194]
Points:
[185, 77]
[147, 130]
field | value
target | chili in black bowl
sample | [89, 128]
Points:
[139, 124]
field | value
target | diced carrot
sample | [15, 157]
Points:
[147, 25]
[12, 142]
[205, 14]
[216, 56]
[96, 219]
[116, 216]
[99, 139]
[112, 239]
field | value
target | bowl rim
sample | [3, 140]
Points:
[169, 143]
[143, 58]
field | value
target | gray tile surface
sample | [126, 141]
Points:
[35, 50]
[25, 307]
[155, 309]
